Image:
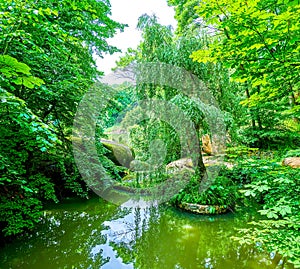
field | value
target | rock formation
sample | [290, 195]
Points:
[293, 162]
[120, 154]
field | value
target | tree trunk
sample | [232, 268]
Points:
[200, 169]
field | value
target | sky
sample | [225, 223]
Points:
[128, 12]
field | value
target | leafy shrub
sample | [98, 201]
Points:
[269, 138]
[240, 151]
[222, 191]
[293, 153]
[277, 189]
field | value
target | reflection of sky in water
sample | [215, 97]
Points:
[114, 262]
[123, 230]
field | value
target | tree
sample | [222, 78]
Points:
[46, 65]
[281, 109]
[185, 15]
[257, 40]
[160, 45]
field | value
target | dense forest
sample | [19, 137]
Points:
[233, 136]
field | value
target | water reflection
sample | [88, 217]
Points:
[96, 234]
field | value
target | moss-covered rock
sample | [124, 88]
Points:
[118, 153]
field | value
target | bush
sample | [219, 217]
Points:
[222, 191]
[270, 138]
[277, 190]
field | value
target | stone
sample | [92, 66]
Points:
[218, 143]
[180, 164]
[120, 154]
[206, 144]
[293, 162]
[204, 209]
[210, 161]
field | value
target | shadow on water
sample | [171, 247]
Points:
[97, 234]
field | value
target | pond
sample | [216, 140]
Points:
[97, 234]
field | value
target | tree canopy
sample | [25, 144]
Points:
[46, 65]
[258, 40]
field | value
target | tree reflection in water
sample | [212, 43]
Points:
[97, 234]
[161, 237]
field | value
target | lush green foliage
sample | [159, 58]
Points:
[245, 53]
[222, 191]
[257, 41]
[46, 66]
[185, 15]
[159, 44]
[156, 46]
[277, 190]
[115, 111]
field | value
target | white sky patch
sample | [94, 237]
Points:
[128, 12]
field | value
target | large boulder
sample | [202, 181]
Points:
[293, 162]
[118, 153]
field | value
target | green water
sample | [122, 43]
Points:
[97, 234]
